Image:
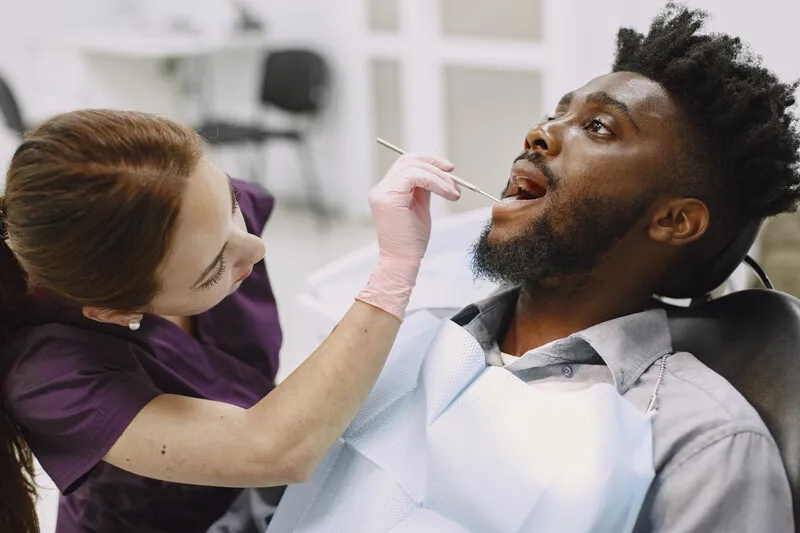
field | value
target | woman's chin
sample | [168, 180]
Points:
[235, 287]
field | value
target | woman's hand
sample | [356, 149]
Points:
[400, 206]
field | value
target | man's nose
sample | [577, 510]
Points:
[544, 138]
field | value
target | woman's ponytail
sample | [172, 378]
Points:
[17, 487]
[13, 282]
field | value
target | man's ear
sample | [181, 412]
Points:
[109, 316]
[679, 221]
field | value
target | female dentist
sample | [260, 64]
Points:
[139, 335]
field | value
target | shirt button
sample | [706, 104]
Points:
[567, 371]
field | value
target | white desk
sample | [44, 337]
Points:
[138, 45]
[103, 75]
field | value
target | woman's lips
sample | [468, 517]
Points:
[245, 275]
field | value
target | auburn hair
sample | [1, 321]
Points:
[91, 202]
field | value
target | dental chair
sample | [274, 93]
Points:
[750, 337]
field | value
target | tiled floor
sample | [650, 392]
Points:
[295, 248]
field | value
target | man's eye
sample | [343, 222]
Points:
[548, 118]
[596, 126]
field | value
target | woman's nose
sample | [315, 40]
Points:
[250, 249]
[258, 249]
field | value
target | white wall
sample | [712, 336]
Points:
[769, 26]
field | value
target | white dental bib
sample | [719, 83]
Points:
[445, 444]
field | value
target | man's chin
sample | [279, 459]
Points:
[504, 233]
[518, 219]
[493, 253]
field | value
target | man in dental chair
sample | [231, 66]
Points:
[559, 405]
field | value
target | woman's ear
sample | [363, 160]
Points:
[679, 221]
[109, 316]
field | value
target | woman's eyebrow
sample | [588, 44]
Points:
[234, 201]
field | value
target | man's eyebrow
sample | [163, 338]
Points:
[603, 98]
[566, 100]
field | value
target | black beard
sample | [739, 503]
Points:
[544, 258]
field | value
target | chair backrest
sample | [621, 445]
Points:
[10, 109]
[752, 339]
[296, 81]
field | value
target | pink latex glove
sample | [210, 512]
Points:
[400, 206]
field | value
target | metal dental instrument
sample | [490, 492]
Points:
[465, 184]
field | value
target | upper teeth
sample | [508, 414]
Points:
[522, 184]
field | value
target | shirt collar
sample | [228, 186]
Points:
[628, 345]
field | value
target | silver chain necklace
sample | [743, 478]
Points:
[651, 407]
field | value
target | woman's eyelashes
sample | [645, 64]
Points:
[213, 280]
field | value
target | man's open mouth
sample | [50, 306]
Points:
[524, 188]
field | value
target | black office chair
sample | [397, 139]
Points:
[297, 82]
[751, 338]
[10, 109]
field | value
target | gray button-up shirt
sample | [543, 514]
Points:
[717, 467]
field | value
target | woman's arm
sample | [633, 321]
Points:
[282, 438]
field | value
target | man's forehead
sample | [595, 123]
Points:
[639, 93]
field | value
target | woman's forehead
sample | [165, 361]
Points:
[207, 196]
[203, 222]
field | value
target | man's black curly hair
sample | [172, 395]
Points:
[741, 131]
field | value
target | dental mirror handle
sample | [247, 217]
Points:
[463, 183]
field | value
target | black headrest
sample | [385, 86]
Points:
[713, 273]
[752, 339]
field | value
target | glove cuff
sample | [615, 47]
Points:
[390, 285]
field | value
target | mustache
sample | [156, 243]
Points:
[539, 160]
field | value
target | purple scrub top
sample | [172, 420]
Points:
[74, 385]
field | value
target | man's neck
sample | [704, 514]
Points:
[620, 285]
[542, 316]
